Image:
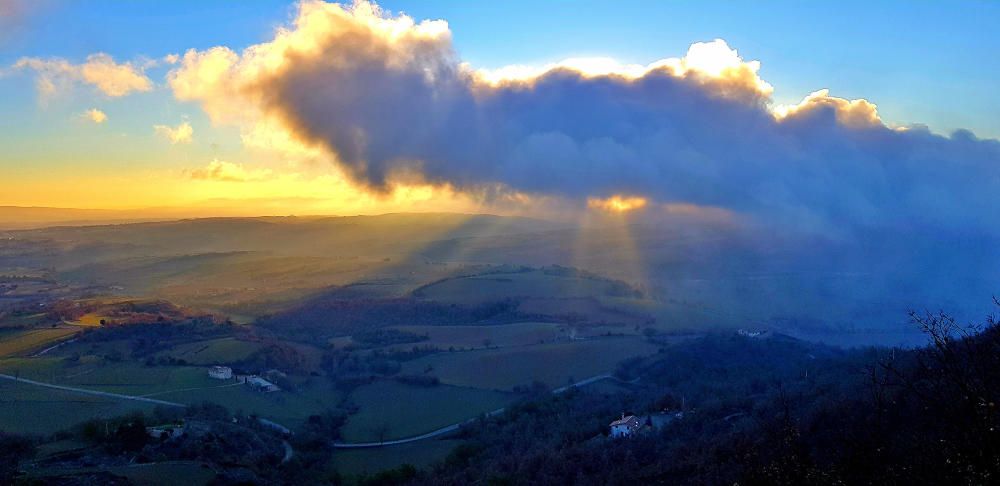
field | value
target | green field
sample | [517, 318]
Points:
[127, 378]
[288, 408]
[351, 462]
[519, 334]
[134, 379]
[30, 409]
[99, 348]
[29, 320]
[249, 283]
[531, 284]
[23, 342]
[214, 351]
[390, 410]
[90, 319]
[182, 384]
[552, 364]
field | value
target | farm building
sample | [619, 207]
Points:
[171, 431]
[220, 372]
[258, 383]
[626, 426]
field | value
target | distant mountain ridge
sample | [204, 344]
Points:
[30, 217]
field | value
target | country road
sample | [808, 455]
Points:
[456, 426]
[338, 445]
[54, 346]
[435, 433]
[289, 452]
[92, 392]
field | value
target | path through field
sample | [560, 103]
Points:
[456, 426]
[92, 392]
[289, 452]
[54, 346]
[338, 445]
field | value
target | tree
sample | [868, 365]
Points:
[13, 450]
[380, 431]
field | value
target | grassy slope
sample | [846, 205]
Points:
[493, 287]
[33, 410]
[552, 364]
[214, 351]
[369, 461]
[406, 411]
[24, 342]
[519, 334]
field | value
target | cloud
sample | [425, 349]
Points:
[113, 79]
[94, 115]
[222, 171]
[851, 113]
[182, 133]
[385, 95]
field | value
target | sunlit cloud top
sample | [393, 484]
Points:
[94, 115]
[710, 62]
[383, 103]
[385, 97]
[100, 71]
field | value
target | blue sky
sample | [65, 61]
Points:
[920, 61]
[931, 63]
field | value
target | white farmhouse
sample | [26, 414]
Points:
[260, 384]
[625, 426]
[220, 372]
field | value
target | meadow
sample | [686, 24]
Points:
[552, 327]
[288, 408]
[552, 364]
[29, 409]
[182, 384]
[461, 337]
[213, 351]
[19, 343]
[90, 319]
[356, 462]
[390, 410]
[538, 283]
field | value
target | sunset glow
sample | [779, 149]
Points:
[618, 204]
[293, 117]
[540, 242]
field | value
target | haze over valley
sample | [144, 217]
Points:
[319, 243]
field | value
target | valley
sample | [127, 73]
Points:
[378, 328]
[348, 317]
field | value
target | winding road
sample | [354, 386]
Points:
[456, 426]
[339, 445]
[54, 346]
[92, 392]
[289, 452]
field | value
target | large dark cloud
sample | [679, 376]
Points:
[386, 101]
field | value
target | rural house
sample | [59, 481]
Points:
[220, 372]
[625, 426]
[170, 431]
[257, 383]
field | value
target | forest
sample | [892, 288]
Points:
[761, 411]
[746, 409]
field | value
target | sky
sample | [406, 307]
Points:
[108, 105]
